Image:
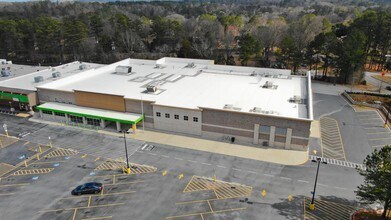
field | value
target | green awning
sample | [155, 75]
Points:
[122, 117]
[13, 97]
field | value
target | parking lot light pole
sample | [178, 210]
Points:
[312, 205]
[50, 142]
[5, 129]
[126, 152]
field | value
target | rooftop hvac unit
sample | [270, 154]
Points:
[38, 79]
[5, 73]
[56, 74]
[256, 109]
[190, 65]
[268, 84]
[159, 66]
[82, 66]
[228, 106]
[152, 89]
[123, 69]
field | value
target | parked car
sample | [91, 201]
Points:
[88, 188]
[388, 88]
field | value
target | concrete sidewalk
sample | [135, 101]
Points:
[279, 156]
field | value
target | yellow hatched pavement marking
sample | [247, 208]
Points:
[326, 210]
[222, 189]
[331, 140]
[118, 165]
[33, 171]
[60, 152]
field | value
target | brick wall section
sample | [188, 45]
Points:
[300, 128]
[148, 120]
[227, 131]
[134, 106]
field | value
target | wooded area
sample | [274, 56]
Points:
[336, 38]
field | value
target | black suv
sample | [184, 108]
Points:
[88, 188]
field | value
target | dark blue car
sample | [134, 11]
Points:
[88, 188]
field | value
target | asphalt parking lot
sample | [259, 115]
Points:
[40, 179]
[166, 182]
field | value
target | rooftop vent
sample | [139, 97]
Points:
[38, 79]
[123, 69]
[56, 74]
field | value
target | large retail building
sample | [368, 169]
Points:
[264, 107]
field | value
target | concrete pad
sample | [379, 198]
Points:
[285, 157]
[315, 129]
[23, 115]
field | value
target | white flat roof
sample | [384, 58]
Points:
[26, 81]
[17, 70]
[92, 112]
[188, 83]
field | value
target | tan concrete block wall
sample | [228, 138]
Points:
[102, 101]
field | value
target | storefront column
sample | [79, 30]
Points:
[272, 133]
[118, 126]
[102, 123]
[256, 134]
[66, 119]
[40, 113]
[288, 138]
[84, 121]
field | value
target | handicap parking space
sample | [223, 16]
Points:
[15, 153]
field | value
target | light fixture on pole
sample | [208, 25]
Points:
[50, 142]
[318, 160]
[126, 152]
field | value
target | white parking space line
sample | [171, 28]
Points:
[285, 178]
[302, 181]
[221, 166]
[177, 158]
[208, 164]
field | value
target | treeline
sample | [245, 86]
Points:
[332, 39]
